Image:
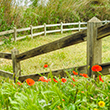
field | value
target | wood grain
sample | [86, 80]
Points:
[5, 55]
[52, 46]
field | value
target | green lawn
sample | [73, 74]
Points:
[67, 57]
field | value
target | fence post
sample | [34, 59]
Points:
[94, 46]
[45, 29]
[61, 28]
[31, 31]
[15, 34]
[105, 21]
[16, 65]
[79, 25]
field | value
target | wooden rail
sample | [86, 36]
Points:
[93, 35]
[62, 72]
[5, 55]
[55, 45]
[6, 74]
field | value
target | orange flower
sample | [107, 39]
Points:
[19, 83]
[30, 81]
[96, 68]
[49, 79]
[82, 91]
[73, 79]
[55, 80]
[75, 73]
[41, 78]
[63, 99]
[45, 66]
[84, 75]
[63, 80]
[100, 78]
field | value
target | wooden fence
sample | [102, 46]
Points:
[61, 29]
[93, 34]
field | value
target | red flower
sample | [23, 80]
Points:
[45, 66]
[19, 83]
[75, 73]
[55, 80]
[96, 68]
[63, 80]
[63, 99]
[84, 75]
[41, 78]
[49, 79]
[73, 79]
[100, 78]
[30, 82]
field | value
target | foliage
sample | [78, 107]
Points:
[12, 13]
[60, 94]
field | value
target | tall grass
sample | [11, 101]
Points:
[12, 13]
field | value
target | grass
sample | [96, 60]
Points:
[67, 57]
[78, 94]
[64, 94]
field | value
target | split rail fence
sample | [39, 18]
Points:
[61, 29]
[93, 34]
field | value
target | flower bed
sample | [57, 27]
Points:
[79, 92]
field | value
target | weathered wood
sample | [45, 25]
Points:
[5, 55]
[15, 34]
[61, 28]
[16, 65]
[6, 74]
[60, 72]
[53, 31]
[52, 25]
[31, 31]
[79, 25]
[58, 44]
[103, 31]
[6, 32]
[105, 68]
[23, 29]
[94, 46]
[45, 29]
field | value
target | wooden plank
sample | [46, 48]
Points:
[61, 28]
[23, 29]
[16, 64]
[65, 24]
[70, 29]
[53, 31]
[37, 27]
[15, 34]
[6, 74]
[103, 31]
[36, 34]
[6, 32]
[94, 46]
[52, 25]
[60, 72]
[44, 29]
[105, 68]
[55, 45]
[5, 55]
